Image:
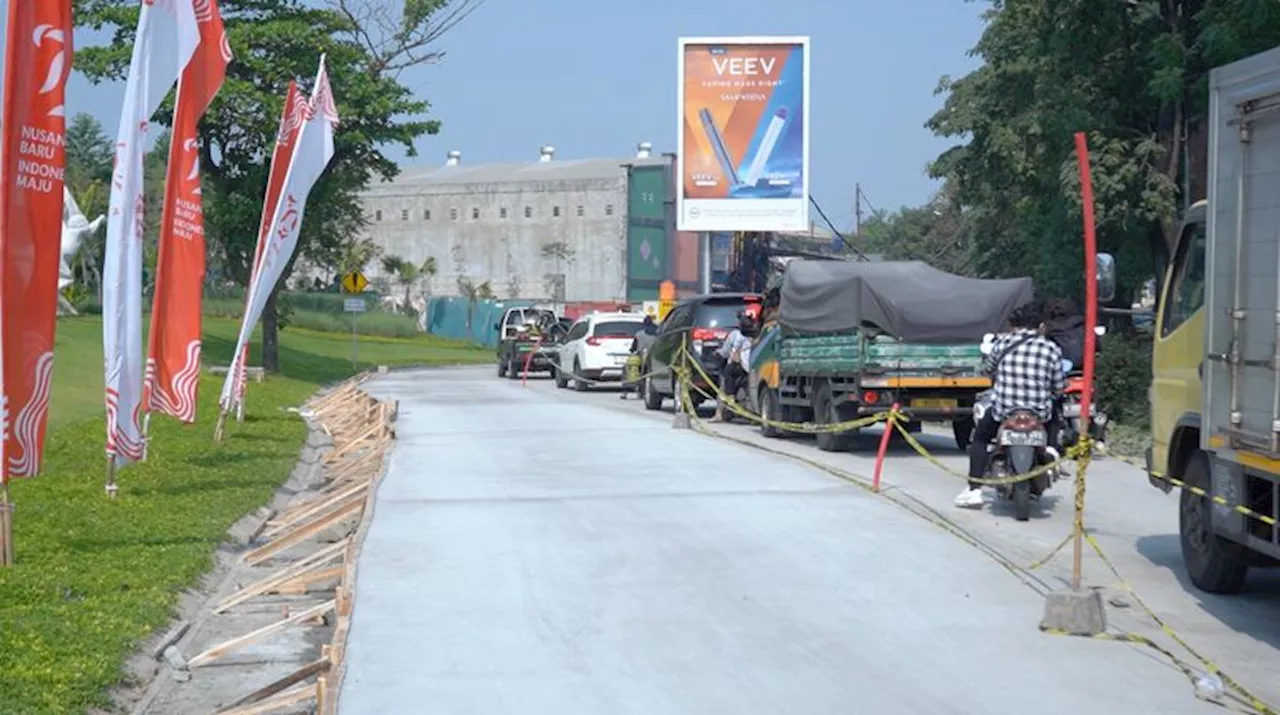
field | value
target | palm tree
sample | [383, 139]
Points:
[474, 293]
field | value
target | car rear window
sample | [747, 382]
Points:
[718, 314]
[627, 328]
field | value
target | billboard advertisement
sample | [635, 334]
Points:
[743, 156]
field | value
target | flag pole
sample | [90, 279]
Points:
[111, 487]
[221, 426]
[6, 525]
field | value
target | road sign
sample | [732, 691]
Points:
[353, 305]
[354, 283]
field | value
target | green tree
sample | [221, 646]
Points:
[1132, 73]
[408, 275]
[474, 293]
[932, 233]
[368, 44]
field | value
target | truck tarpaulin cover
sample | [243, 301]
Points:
[909, 300]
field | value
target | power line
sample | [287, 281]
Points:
[835, 230]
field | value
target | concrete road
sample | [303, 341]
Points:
[539, 551]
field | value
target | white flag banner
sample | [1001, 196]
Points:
[311, 155]
[165, 41]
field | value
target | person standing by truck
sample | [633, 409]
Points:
[736, 354]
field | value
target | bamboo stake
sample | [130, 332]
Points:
[111, 487]
[223, 648]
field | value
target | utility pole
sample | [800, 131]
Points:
[857, 210]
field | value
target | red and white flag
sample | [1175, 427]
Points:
[32, 156]
[173, 358]
[166, 39]
[291, 121]
[311, 155]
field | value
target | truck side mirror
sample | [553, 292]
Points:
[1106, 277]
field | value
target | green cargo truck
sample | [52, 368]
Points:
[852, 339]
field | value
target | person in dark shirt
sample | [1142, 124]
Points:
[1065, 325]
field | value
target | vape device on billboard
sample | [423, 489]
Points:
[717, 145]
[743, 114]
[766, 147]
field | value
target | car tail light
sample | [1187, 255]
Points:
[594, 341]
[1023, 422]
[709, 334]
[870, 397]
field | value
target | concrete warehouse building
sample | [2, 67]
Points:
[544, 229]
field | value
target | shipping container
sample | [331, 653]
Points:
[656, 252]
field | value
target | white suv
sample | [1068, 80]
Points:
[596, 349]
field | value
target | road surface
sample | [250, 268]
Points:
[541, 551]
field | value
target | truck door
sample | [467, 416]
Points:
[1177, 360]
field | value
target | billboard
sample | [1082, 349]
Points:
[743, 143]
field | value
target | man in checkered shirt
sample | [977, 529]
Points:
[1027, 368]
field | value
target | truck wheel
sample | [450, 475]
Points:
[963, 429]
[1214, 564]
[826, 412]
[652, 398]
[579, 383]
[562, 380]
[513, 369]
[770, 412]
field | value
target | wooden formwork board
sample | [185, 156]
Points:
[302, 532]
[311, 509]
[226, 647]
[320, 558]
[299, 584]
[312, 669]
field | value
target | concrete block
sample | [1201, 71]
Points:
[181, 676]
[243, 532]
[682, 421]
[1079, 613]
[174, 658]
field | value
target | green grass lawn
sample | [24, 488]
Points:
[95, 576]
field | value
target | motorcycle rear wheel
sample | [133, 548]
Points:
[1022, 500]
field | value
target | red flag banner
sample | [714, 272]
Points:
[295, 113]
[32, 156]
[173, 361]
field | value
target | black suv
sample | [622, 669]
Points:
[702, 322]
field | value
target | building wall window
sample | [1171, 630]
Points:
[555, 211]
[453, 214]
[404, 215]
[528, 212]
[426, 214]
[581, 212]
[475, 214]
[502, 212]
[608, 210]
[377, 215]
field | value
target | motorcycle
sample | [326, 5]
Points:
[1071, 408]
[1020, 447]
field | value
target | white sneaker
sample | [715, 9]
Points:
[970, 499]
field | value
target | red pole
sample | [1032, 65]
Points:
[889, 426]
[527, 359]
[1090, 280]
[1090, 342]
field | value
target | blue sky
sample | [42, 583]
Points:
[594, 78]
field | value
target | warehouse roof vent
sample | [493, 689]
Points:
[643, 150]
[547, 152]
[455, 158]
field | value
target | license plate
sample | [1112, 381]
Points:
[1023, 439]
[935, 403]
[610, 373]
